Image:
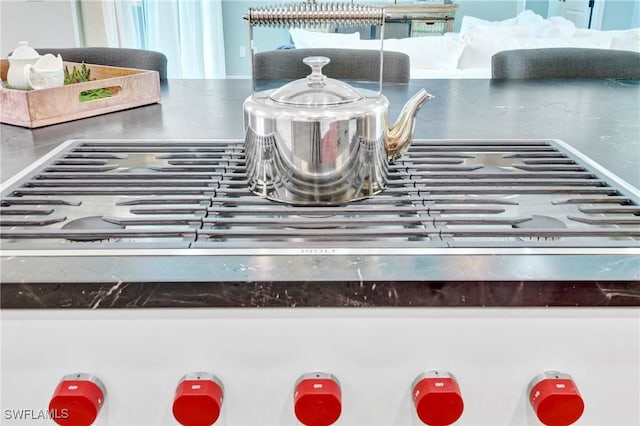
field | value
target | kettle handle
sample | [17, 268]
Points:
[310, 12]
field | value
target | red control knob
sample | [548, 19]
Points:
[437, 398]
[198, 399]
[555, 399]
[317, 399]
[77, 400]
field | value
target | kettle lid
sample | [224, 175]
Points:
[316, 89]
[24, 51]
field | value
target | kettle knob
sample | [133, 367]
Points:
[316, 63]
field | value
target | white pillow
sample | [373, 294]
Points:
[553, 27]
[364, 44]
[470, 22]
[526, 24]
[537, 24]
[430, 52]
[501, 30]
[625, 39]
[481, 47]
[308, 39]
[620, 39]
[561, 27]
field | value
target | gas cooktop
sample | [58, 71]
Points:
[178, 194]
[188, 198]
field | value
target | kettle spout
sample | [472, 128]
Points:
[398, 137]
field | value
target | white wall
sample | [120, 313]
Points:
[43, 23]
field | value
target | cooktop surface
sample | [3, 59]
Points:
[179, 194]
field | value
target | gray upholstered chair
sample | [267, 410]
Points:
[576, 63]
[346, 64]
[113, 56]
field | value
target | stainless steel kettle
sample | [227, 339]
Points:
[320, 141]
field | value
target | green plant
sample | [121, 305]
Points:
[77, 75]
[81, 75]
[92, 95]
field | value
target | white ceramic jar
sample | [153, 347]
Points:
[22, 56]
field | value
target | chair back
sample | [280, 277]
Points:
[113, 56]
[569, 62]
[346, 64]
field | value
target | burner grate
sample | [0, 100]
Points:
[193, 194]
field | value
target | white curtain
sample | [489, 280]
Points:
[188, 32]
[120, 26]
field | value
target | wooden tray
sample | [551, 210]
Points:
[37, 108]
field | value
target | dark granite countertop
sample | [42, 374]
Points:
[598, 118]
[320, 294]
